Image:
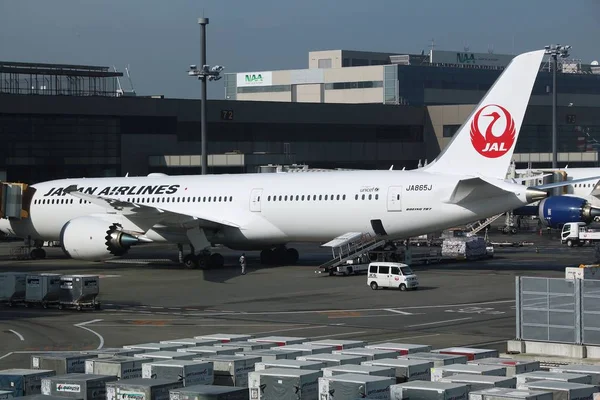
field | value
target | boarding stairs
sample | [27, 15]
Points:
[349, 246]
[477, 226]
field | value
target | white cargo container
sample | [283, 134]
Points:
[469, 352]
[226, 337]
[166, 355]
[438, 360]
[189, 372]
[122, 367]
[42, 288]
[210, 392]
[245, 345]
[480, 382]
[509, 394]
[592, 370]
[370, 354]
[23, 382]
[355, 386]
[564, 390]
[424, 390]
[284, 384]
[572, 273]
[150, 347]
[61, 363]
[306, 349]
[513, 367]
[332, 360]
[524, 379]
[401, 348]
[438, 373]
[141, 389]
[191, 342]
[6, 394]
[299, 364]
[12, 287]
[271, 354]
[406, 370]
[78, 386]
[359, 369]
[210, 350]
[339, 344]
[110, 352]
[47, 397]
[231, 370]
[279, 340]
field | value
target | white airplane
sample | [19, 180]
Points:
[101, 218]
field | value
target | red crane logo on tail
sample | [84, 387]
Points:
[498, 134]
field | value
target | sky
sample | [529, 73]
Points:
[159, 39]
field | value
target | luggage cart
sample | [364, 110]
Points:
[42, 289]
[79, 292]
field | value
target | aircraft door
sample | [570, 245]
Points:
[255, 199]
[394, 198]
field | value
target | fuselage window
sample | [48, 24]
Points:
[214, 199]
[285, 198]
[302, 197]
[338, 197]
[363, 196]
[204, 199]
[268, 198]
[356, 197]
[397, 197]
[370, 197]
[230, 199]
[219, 198]
[297, 197]
[320, 197]
[376, 197]
[344, 197]
[280, 197]
[209, 199]
[225, 198]
[325, 197]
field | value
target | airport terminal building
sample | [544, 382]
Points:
[348, 109]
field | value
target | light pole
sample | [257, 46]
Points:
[213, 75]
[554, 51]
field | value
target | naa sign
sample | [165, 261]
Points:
[245, 79]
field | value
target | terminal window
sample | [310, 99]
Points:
[450, 130]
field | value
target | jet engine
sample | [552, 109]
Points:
[555, 211]
[94, 239]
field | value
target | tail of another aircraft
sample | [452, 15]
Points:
[484, 144]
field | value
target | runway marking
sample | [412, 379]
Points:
[6, 355]
[405, 337]
[338, 334]
[82, 326]
[440, 322]
[397, 311]
[18, 334]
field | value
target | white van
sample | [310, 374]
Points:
[391, 275]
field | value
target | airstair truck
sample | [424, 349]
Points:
[574, 234]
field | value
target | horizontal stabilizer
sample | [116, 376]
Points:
[474, 189]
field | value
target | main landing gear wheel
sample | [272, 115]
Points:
[38, 254]
[191, 261]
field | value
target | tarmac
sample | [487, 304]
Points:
[146, 297]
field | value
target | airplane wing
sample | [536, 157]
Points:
[472, 189]
[150, 212]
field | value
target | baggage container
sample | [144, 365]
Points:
[401, 348]
[314, 365]
[370, 354]
[339, 344]
[359, 369]
[270, 354]
[42, 289]
[513, 367]
[355, 386]
[150, 347]
[592, 370]
[113, 352]
[79, 291]
[122, 367]
[231, 370]
[167, 355]
[12, 287]
[284, 384]
[245, 345]
[564, 390]
[46, 397]
[470, 353]
[6, 394]
[189, 372]
[306, 349]
[331, 360]
[214, 350]
[524, 379]
[441, 372]
[226, 337]
[191, 342]
[509, 394]
[209, 392]
[480, 382]
[61, 363]
[279, 340]
[141, 389]
[406, 370]
[424, 390]
[79, 386]
[23, 382]
[438, 360]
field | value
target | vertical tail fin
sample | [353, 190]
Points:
[485, 143]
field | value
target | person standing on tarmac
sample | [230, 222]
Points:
[243, 263]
